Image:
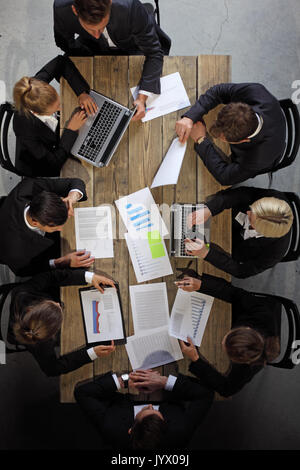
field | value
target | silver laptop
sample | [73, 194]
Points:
[99, 137]
[180, 231]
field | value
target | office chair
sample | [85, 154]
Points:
[293, 317]
[6, 114]
[292, 120]
[11, 346]
[293, 252]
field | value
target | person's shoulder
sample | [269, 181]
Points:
[62, 3]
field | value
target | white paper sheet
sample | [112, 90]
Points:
[152, 349]
[173, 97]
[189, 315]
[102, 315]
[93, 231]
[140, 214]
[149, 306]
[169, 170]
[149, 261]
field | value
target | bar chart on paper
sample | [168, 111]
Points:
[149, 256]
[139, 217]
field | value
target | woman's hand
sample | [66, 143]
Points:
[97, 280]
[189, 284]
[77, 121]
[189, 349]
[103, 351]
[87, 103]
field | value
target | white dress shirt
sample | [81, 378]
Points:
[243, 219]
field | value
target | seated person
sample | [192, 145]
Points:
[250, 344]
[252, 123]
[107, 27]
[40, 151]
[36, 317]
[115, 416]
[31, 214]
[261, 230]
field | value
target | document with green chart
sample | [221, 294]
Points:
[149, 256]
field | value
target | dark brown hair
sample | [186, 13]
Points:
[236, 121]
[247, 346]
[40, 321]
[92, 11]
[148, 433]
[48, 209]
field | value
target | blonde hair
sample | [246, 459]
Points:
[31, 94]
[274, 217]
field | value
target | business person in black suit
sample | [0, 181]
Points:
[32, 214]
[251, 122]
[121, 426]
[261, 230]
[107, 27]
[36, 316]
[250, 344]
[40, 151]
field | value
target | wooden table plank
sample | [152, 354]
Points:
[72, 332]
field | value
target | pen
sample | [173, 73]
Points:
[181, 284]
[149, 109]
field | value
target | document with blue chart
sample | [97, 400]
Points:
[102, 315]
[189, 315]
[140, 214]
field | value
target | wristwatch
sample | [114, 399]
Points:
[200, 140]
[125, 378]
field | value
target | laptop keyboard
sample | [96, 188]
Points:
[100, 130]
[185, 211]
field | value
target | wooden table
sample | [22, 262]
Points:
[132, 168]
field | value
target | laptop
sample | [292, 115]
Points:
[99, 137]
[180, 231]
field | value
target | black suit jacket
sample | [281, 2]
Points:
[112, 412]
[22, 249]
[130, 27]
[248, 310]
[40, 287]
[251, 256]
[39, 150]
[247, 159]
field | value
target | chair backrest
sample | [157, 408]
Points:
[157, 12]
[6, 114]
[5, 290]
[290, 309]
[292, 120]
[293, 252]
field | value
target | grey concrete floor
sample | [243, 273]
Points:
[263, 38]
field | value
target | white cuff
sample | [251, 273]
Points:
[52, 263]
[170, 383]
[88, 277]
[114, 376]
[78, 191]
[92, 354]
[146, 93]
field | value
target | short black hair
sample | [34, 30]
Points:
[92, 11]
[48, 209]
[148, 433]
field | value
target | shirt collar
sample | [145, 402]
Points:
[260, 124]
[34, 229]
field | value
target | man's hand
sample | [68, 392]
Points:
[147, 381]
[72, 198]
[77, 121]
[87, 103]
[97, 280]
[76, 259]
[199, 130]
[140, 103]
[189, 350]
[196, 248]
[198, 217]
[103, 351]
[189, 284]
[183, 129]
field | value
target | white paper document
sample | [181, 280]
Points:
[173, 97]
[152, 349]
[102, 315]
[93, 230]
[140, 214]
[189, 315]
[149, 306]
[169, 170]
[149, 257]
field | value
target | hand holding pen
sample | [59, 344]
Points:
[196, 247]
[189, 284]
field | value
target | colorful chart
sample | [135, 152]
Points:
[96, 317]
[139, 216]
[156, 244]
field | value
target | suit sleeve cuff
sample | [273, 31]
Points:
[146, 93]
[92, 354]
[114, 376]
[170, 383]
[88, 275]
[52, 264]
[78, 191]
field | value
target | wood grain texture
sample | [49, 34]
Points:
[132, 168]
